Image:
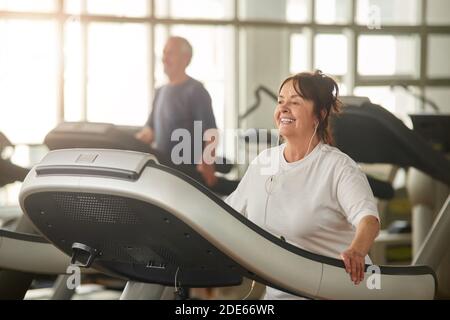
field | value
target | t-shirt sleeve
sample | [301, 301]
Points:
[202, 108]
[355, 195]
[238, 199]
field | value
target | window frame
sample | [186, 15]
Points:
[351, 30]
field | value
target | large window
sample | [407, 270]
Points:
[28, 79]
[437, 12]
[438, 64]
[332, 11]
[388, 55]
[97, 60]
[331, 53]
[391, 12]
[211, 63]
[29, 5]
[100, 60]
[194, 9]
[117, 73]
[120, 8]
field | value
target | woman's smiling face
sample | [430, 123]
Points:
[294, 115]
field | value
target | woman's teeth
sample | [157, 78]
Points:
[286, 120]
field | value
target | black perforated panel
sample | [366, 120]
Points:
[134, 239]
[95, 208]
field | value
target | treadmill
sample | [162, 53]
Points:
[367, 138]
[124, 214]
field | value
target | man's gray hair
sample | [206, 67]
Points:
[185, 46]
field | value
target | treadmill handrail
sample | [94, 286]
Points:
[392, 270]
[205, 224]
[257, 93]
[389, 270]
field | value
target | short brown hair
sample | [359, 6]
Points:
[323, 91]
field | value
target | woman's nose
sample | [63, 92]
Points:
[284, 108]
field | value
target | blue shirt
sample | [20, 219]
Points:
[177, 107]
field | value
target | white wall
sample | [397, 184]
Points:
[264, 60]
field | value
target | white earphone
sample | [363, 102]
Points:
[310, 140]
[271, 179]
[270, 182]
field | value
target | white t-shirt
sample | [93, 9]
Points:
[314, 203]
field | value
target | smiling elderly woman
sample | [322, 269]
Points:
[317, 198]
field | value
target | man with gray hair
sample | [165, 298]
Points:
[177, 105]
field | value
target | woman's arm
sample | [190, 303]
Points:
[354, 256]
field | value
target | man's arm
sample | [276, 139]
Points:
[145, 135]
[202, 111]
[207, 166]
